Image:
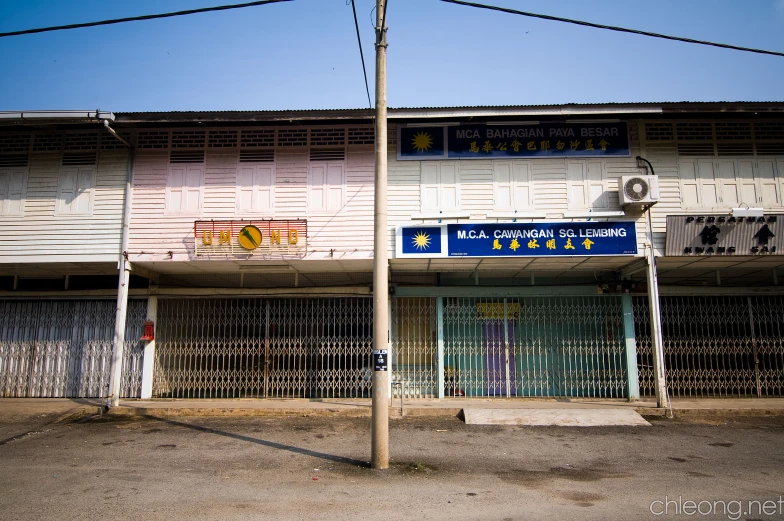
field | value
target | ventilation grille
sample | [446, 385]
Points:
[190, 156]
[773, 130]
[257, 156]
[327, 154]
[79, 158]
[153, 139]
[734, 149]
[7, 160]
[327, 136]
[47, 142]
[361, 136]
[80, 141]
[659, 132]
[109, 142]
[694, 131]
[733, 131]
[257, 138]
[11, 143]
[770, 149]
[188, 139]
[293, 138]
[695, 149]
[223, 139]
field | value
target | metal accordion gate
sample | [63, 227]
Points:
[255, 347]
[526, 346]
[715, 346]
[63, 348]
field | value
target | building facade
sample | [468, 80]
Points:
[521, 241]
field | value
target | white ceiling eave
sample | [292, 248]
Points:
[516, 111]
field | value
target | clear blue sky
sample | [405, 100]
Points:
[303, 54]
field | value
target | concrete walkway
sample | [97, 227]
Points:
[724, 407]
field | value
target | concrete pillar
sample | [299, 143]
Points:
[633, 378]
[149, 350]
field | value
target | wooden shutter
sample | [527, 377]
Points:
[687, 171]
[265, 184]
[730, 185]
[597, 195]
[193, 188]
[245, 184]
[84, 185]
[334, 185]
[575, 178]
[504, 191]
[766, 180]
[67, 191]
[450, 196]
[316, 181]
[17, 187]
[5, 184]
[522, 185]
[709, 196]
[176, 187]
[429, 186]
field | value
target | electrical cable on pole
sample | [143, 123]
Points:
[361, 54]
[140, 18]
[613, 28]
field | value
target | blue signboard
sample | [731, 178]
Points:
[540, 239]
[514, 141]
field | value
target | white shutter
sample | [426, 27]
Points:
[450, 196]
[67, 190]
[5, 183]
[597, 195]
[17, 187]
[245, 184]
[193, 188]
[687, 171]
[504, 192]
[780, 178]
[335, 186]
[749, 191]
[84, 185]
[730, 184]
[575, 178]
[766, 180]
[709, 197]
[265, 183]
[176, 187]
[429, 186]
[522, 185]
[316, 182]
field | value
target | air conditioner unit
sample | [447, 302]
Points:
[638, 190]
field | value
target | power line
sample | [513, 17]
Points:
[361, 55]
[612, 28]
[138, 18]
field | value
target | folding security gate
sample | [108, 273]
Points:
[237, 348]
[63, 348]
[715, 346]
[527, 346]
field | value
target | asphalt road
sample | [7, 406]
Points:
[315, 468]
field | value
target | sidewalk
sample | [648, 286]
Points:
[724, 407]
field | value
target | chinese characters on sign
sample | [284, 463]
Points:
[520, 240]
[723, 235]
[509, 141]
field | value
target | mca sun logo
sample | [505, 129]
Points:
[421, 241]
[422, 141]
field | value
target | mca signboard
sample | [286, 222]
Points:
[537, 239]
[262, 237]
[505, 141]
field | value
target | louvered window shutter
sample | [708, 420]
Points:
[16, 192]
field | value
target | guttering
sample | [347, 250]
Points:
[64, 116]
[569, 110]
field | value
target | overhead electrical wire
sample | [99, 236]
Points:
[361, 54]
[613, 28]
[140, 18]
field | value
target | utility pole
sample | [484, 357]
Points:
[380, 432]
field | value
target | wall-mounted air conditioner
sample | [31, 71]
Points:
[638, 190]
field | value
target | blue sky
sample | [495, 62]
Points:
[303, 54]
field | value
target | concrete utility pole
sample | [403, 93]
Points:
[657, 343]
[380, 433]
